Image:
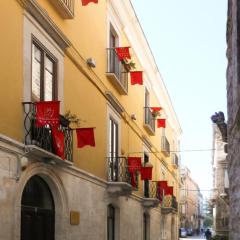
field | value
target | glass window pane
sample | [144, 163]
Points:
[48, 86]
[36, 73]
[49, 65]
[110, 138]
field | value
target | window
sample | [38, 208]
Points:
[43, 74]
[147, 98]
[149, 120]
[113, 138]
[113, 149]
[146, 227]
[110, 223]
[116, 71]
[146, 182]
[114, 65]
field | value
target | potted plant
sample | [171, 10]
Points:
[128, 65]
[155, 114]
[69, 118]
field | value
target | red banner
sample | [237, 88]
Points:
[86, 2]
[146, 173]
[161, 123]
[162, 186]
[169, 191]
[85, 136]
[134, 164]
[133, 179]
[58, 142]
[47, 113]
[122, 53]
[136, 77]
[156, 109]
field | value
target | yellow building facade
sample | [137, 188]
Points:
[62, 50]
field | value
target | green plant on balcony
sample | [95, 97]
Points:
[128, 65]
[70, 119]
[156, 114]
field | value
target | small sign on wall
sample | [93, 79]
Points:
[74, 217]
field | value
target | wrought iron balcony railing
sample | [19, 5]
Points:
[175, 160]
[64, 7]
[42, 136]
[165, 146]
[149, 120]
[118, 170]
[152, 190]
[116, 71]
[170, 202]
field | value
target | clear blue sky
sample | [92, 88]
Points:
[187, 38]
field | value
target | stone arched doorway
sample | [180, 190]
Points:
[37, 211]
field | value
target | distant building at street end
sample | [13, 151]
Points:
[233, 105]
[191, 202]
[220, 194]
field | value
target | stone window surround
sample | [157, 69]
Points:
[59, 196]
[33, 30]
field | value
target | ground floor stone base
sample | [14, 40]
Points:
[80, 201]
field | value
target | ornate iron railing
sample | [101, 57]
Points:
[117, 67]
[165, 146]
[149, 119]
[42, 136]
[118, 170]
[170, 202]
[152, 190]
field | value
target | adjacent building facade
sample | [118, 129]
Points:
[191, 201]
[233, 104]
[60, 50]
[220, 195]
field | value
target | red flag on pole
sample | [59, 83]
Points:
[47, 113]
[134, 164]
[122, 53]
[85, 136]
[156, 109]
[146, 173]
[136, 77]
[86, 2]
[161, 123]
[58, 142]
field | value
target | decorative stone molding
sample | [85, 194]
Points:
[114, 102]
[46, 22]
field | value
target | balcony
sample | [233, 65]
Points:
[175, 160]
[64, 7]
[151, 198]
[119, 179]
[116, 72]
[169, 204]
[39, 142]
[149, 121]
[165, 146]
